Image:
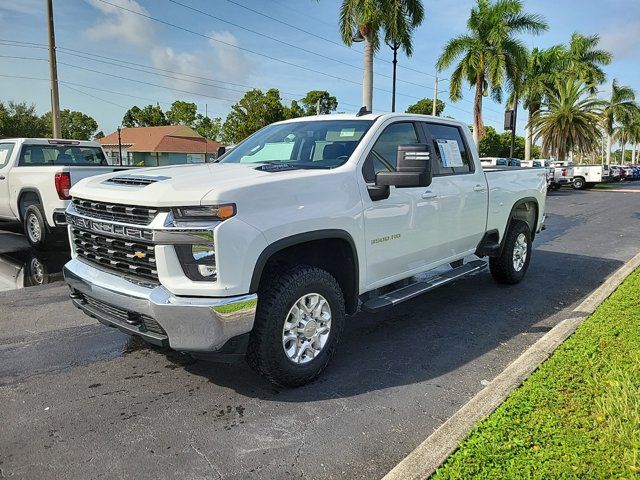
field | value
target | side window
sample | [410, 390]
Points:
[5, 153]
[452, 155]
[383, 155]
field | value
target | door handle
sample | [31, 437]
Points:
[429, 194]
[2, 177]
[479, 188]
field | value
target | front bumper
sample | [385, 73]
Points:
[190, 324]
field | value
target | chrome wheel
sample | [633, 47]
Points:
[33, 228]
[306, 328]
[520, 252]
[37, 271]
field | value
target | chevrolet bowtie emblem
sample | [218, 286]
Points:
[139, 254]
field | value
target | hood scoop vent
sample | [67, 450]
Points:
[136, 180]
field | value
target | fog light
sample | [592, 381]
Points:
[198, 261]
[204, 253]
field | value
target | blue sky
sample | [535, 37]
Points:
[204, 49]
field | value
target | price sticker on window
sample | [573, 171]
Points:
[450, 155]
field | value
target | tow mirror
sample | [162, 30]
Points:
[413, 167]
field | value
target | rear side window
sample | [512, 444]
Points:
[452, 155]
[5, 153]
[39, 155]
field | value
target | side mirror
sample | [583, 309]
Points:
[221, 151]
[413, 167]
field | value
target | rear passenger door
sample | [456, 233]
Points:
[6, 150]
[462, 190]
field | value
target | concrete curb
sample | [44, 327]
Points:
[431, 453]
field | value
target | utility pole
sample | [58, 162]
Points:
[53, 68]
[206, 133]
[120, 145]
[318, 107]
[434, 109]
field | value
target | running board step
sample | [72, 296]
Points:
[400, 295]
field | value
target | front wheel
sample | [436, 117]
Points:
[298, 324]
[513, 262]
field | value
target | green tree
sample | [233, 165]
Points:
[17, 119]
[425, 107]
[394, 20]
[99, 135]
[208, 128]
[149, 116]
[627, 131]
[568, 120]
[182, 113]
[327, 102]
[494, 144]
[620, 104]
[73, 124]
[294, 110]
[255, 110]
[585, 60]
[490, 55]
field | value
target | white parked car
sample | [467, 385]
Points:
[262, 256]
[35, 177]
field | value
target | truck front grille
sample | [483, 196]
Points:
[115, 212]
[145, 323]
[134, 259]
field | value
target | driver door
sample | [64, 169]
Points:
[401, 230]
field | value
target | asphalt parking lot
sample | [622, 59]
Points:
[80, 400]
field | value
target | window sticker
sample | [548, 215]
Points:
[449, 153]
[3, 156]
[347, 132]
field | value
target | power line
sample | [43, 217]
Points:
[276, 59]
[94, 96]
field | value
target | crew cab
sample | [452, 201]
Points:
[35, 177]
[265, 253]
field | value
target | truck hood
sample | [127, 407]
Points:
[170, 186]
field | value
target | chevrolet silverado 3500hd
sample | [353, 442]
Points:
[263, 253]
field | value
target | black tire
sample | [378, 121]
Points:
[579, 183]
[502, 268]
[35, 227]
[276, 297]
[555, 186]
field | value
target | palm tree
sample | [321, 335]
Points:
[620, 104]
[585, 60]
[569, 120]
[544, 69]
[627, 132]
[394, 19]
[489, 54]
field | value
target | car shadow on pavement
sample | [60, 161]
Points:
[434, 334]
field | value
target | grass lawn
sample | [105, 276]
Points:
[604, 186]
[577, 416]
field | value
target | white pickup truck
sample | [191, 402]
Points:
[308, 220]
[35, 177]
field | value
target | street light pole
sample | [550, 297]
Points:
[434, 109]
[394, 46]
[53, 71]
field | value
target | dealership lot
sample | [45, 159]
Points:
[79, 398]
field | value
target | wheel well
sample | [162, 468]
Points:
[26, 199]
[335, 255]
[526, 211]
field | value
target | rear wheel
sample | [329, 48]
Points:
[513, 262]
[298, 325]
[579, 183]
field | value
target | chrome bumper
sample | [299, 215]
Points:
[192, 324]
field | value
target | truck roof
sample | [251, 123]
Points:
[52, 141]
[372, 116]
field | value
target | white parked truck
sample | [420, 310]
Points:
[264, 253]
[586, 176]
[35, 177]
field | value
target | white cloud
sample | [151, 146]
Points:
[221, 62]
[622, 41]
[119, 24]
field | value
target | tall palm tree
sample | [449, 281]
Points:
[490, 55]
[569, 120]
[621, 103]
[585, 60]
[544, 69]
[395, 20]
[627, 132]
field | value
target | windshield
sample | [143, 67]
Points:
[310, 144]
[38, 155]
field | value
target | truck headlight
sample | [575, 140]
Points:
[203, 214]
[198, 261]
